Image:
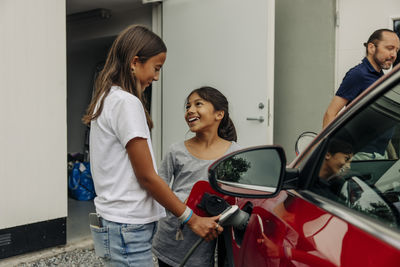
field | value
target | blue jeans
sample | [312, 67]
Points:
[124, 244]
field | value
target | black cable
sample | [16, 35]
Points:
[187, 256]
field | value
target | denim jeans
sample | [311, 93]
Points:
[124, 244]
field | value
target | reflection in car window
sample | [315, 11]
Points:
[361, 167]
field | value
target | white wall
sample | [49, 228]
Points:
[358, 19]
[33, 184]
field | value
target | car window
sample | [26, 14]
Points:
[361, 168]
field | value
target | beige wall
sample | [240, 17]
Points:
[33, 183]
[304, 67]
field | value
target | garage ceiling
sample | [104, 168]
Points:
[75, 6]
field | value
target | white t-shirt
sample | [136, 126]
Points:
[120, 198]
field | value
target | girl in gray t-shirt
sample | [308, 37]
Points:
[186, 163]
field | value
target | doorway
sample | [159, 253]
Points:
[91, 28]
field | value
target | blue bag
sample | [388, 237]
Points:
[80, 182]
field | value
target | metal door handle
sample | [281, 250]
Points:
[260, 119]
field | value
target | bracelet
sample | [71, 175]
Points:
[188, 218]
[185, 214]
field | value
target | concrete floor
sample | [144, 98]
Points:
[78, 219]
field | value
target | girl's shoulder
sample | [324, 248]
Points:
[119, 102]
[178, 146]
[177, 152]
[117, 94]
[234, 146]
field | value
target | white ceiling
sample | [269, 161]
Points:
[75, 6]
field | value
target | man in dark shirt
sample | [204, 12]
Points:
[381, 49]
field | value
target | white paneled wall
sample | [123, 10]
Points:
[33, 159]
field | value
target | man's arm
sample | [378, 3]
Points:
[334, 107]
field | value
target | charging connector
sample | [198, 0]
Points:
[231, 216]
[227, 213]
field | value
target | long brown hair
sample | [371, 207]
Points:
[134, 41]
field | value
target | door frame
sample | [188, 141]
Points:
[157, 92]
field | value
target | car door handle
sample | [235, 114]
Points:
[260, 119]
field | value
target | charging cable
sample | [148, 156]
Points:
[240, 219]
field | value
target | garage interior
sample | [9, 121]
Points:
[91, 28]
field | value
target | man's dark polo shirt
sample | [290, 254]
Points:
[357, 79]
[354, 83]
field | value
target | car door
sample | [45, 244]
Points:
[347, 218]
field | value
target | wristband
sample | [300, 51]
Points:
[188, 218]
[185, 214]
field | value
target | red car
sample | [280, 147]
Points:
[317, 211]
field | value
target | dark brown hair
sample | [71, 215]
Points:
[226, 129]
[338, 145]
[375, 37]
[135, 40]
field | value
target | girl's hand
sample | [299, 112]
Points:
[205, 227]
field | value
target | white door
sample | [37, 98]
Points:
[227, 44]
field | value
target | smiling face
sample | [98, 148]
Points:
[335, 162]
[200, 114]
[148, 71]
[383, 54]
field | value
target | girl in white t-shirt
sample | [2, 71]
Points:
[129, 191]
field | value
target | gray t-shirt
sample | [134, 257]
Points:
[181, 170]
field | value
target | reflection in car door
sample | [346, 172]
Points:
[282, 232]
[290, 231]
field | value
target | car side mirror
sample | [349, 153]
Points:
[255, 172]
